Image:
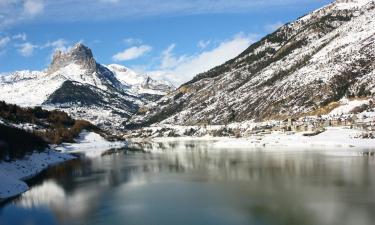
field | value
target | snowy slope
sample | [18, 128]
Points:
[19, 75]
[29, 92]
[138, 83]
[320, 58]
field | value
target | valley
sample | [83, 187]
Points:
[283, 133]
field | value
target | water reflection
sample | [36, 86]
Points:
[192, 183]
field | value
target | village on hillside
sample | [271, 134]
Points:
[358, 114]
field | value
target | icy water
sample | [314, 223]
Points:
[191, 184]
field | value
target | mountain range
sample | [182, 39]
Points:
[75, 83]
[298, 70]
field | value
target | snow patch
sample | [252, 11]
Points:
[91, 145]
[347, 106]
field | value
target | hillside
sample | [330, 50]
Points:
[305, 65]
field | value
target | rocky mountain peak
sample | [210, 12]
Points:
[147, 80]
[79, 54]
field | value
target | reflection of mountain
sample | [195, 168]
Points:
[76, 193]
[293, 186]
[252, 164]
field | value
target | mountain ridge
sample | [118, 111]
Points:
[304, 65]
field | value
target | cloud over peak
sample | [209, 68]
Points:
[132, 53]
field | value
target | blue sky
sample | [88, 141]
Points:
[169, 39]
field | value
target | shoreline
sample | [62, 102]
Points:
[334, 138]
[19, 171]
[13, 180]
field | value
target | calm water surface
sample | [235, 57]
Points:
[191, 183]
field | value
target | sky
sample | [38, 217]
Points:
[167, 39]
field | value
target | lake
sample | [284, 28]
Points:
[186, 183]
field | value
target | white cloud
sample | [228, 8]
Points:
[33, 7]
[180, 69]
[21, 37]
[203, 44]
[4, 41]
[133, 41]
[16, 11]
[168, 60]
[273, 26]
[132, 53]
[59, 44]
[26, 49]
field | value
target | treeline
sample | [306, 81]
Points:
[53, 127]
[15, 143]
[38, 116]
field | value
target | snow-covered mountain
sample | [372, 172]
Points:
[139, 83]
[77, 84]
[320, 58]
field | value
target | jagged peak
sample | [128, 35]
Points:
[81, 50]
[78, 54]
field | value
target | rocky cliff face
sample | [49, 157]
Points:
[305, 65]
[79, 54]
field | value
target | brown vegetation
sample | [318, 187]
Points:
[54, 127]
[62, 134]
[324, 110]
